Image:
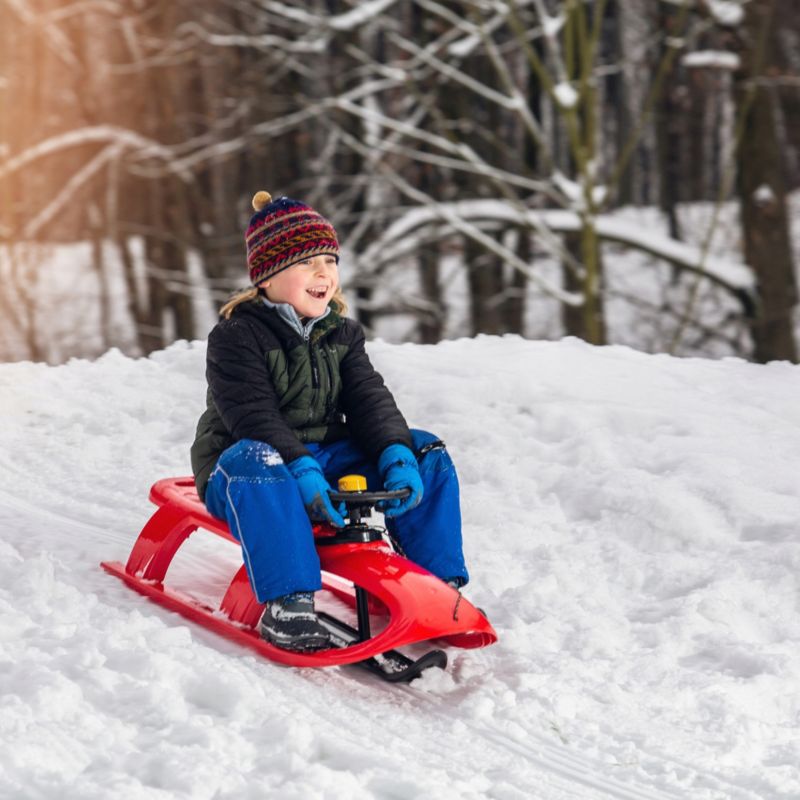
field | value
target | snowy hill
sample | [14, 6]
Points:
[631, 525]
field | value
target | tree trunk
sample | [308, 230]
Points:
[618, 89]
[572, 317]
[762, 194]
[587, 320]
[95, 227]
[431, 323]
[517, 290]
[486, 290]
[669, 122]
[132, 286]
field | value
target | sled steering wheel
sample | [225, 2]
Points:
[368, 499]
[358, 501]
[359, 504]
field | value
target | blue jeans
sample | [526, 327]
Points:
[253, 491]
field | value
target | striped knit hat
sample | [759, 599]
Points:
[283, 232]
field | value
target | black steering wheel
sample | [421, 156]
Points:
[368, 499]
[359, 504]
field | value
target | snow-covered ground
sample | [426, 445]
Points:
[631, 524]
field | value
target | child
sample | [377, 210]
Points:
[293, 404]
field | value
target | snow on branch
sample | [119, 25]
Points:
[72, 185]
[447, 218]
[448, 71]
[263, 42]
[472, 39]
[727, 12]
[715, 59]
[362, 13]
[372, 115]
[462, 151]
[565, 95]
[574, 194]
[278, 125]
[732, 275]
[398, 240]
[473, 33]
[106, 134]
[551, 26]
[494, 173]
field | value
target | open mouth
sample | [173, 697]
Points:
[318, 292]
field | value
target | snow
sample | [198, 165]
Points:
[363, 12]
[349, 20]
[719, 59]
[727, 12]
[397, 240]
[572, 190]
[551, 26]
[575, 193]
[565, 95]
[630, 522]
[764, 195]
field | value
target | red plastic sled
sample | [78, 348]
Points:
[367, 573]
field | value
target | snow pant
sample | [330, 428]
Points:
[253, 491]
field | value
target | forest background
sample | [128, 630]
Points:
[617, 171]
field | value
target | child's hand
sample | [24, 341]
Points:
[314, 491]
[399, 470]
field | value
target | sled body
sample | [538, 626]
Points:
[368, 575]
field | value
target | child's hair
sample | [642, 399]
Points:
[337, 303]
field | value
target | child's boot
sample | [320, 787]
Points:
[290, 622]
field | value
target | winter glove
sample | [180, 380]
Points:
[398, 468]
[314, 491]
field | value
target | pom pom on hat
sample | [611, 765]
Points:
[260, 199]
[283, 232]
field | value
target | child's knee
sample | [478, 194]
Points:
[431, 452]
[254, 460]
[424, 440]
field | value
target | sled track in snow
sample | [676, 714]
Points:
[26, 510]
[540, 767]
[570, 768]
[577, 768]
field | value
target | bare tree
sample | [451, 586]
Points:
[762, 188]
[472, 114]
[496, 137]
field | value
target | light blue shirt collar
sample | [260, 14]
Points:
[290, 316]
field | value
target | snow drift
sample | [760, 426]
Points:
[631, 528]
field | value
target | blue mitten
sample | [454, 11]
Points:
[398, 468]
[314, 491]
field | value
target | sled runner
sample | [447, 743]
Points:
[359, 567]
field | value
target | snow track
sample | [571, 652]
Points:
[630, 523]
[531, 760]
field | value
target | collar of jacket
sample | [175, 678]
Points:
[316, 328]
[287, 313]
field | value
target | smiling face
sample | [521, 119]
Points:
[307, 286]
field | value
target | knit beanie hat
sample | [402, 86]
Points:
[283, 232]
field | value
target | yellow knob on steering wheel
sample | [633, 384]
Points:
[352, 483]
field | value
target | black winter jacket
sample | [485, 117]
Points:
[265, 382]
